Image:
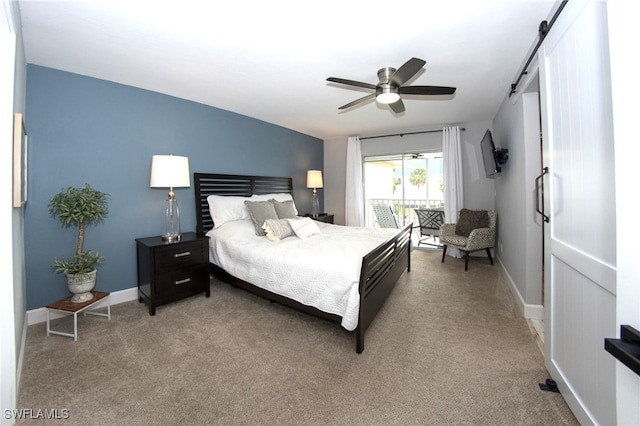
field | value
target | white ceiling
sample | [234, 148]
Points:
[270, 59]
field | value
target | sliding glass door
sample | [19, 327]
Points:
[403, 182]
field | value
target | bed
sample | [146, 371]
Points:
[370, 267]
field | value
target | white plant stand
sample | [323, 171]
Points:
[64, 307]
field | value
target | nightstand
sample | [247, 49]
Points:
[172, 271]
[322, 217]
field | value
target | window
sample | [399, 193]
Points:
[404, 182]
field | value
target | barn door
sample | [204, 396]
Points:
[580, 245]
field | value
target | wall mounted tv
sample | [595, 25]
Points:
[493, 158]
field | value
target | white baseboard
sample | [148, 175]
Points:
[528, 311]
[534, 312]
[39, 315]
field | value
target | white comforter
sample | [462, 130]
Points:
[322, 270]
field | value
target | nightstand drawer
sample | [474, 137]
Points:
[181, 280]
[184, 254]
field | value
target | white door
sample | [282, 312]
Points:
[580, 243]
[624, 34]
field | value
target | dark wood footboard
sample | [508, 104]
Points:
[381, 269]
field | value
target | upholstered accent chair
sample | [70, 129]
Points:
[430, 221]
[473, 231]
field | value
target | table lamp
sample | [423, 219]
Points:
[314, 180]
[170, 171]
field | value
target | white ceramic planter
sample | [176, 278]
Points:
[80, 285]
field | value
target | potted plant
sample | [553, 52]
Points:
[78, 207]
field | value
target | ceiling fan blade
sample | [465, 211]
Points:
[406, 71]
[426, 90]
[397, 106]
[358, 101]
[352, 83]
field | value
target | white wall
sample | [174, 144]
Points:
[479, 191]
[519, 241]
[424, 142]
[20, 303]
[12, 293]
[335, 168]
[7, 322]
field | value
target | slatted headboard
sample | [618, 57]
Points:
[232, 185]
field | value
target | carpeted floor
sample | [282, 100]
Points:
[448, 348]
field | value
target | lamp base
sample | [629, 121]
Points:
[315, 204]
[171, 238]
[171, 231]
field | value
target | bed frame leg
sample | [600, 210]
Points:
[359, 341]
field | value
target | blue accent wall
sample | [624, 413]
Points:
[86, 130]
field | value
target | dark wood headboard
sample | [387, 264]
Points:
[232, 185]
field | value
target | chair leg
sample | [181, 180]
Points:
[466, 260]
[444, 252]
[489, 254]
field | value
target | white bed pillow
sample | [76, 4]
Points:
[227, 208]
[304, 227]
[279, 196]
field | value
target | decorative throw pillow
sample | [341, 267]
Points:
[304, 227]
[260, 211]
[277, 229]
[285, 209]
[470, 220]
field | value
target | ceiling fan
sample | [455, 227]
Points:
[390, 86]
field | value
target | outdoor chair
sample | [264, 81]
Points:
[430, 221]
[385, 216]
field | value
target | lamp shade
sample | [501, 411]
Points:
[314, 179]
[170, 171]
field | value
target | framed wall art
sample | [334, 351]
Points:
[20, 161]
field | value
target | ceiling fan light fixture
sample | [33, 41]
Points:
[387, 95]
[391, 82]
[387, 98]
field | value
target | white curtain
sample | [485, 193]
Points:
[453, 194]
[354, 194]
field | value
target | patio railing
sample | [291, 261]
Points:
[404, 211]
